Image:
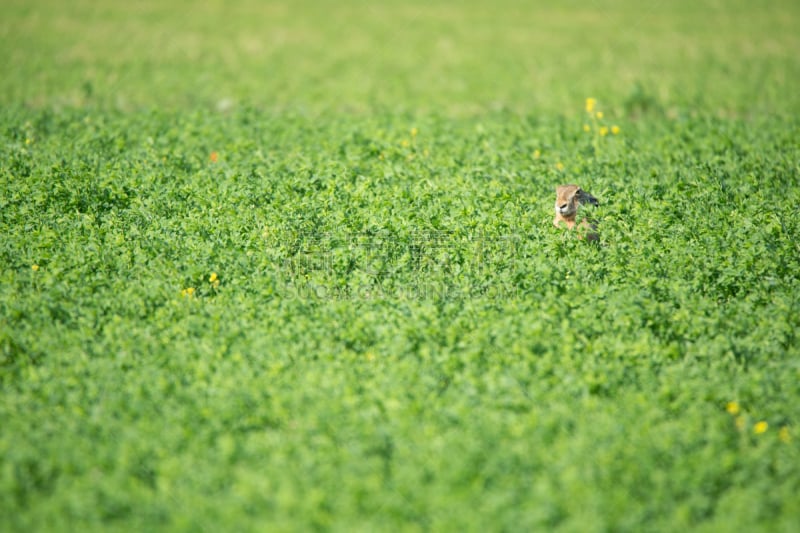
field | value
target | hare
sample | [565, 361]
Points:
[568, 197]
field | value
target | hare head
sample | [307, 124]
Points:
[568, 197]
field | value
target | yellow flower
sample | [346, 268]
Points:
[587, 128]
[590, 103]
[189, 291]
[35, 268]
[615, 129]
[537, 154]
[732, 408]
[760, 427]
[28, 141]
[404, 143]
[559, 166]
[599, 114]
[414, 132]
[783, 434]
[604, 131]
[213, 277]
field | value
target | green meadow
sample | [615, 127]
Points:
[291, 266]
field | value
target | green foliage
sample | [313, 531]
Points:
[338, 301]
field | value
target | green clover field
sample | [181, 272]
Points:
[291, 266]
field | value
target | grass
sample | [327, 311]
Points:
[288, 267]
[734, 58]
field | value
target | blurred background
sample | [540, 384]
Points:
[728, 57]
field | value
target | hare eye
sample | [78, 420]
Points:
[563, 206]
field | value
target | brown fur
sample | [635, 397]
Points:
[568, 198]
